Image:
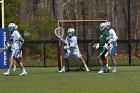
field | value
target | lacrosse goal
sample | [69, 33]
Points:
[87, 32]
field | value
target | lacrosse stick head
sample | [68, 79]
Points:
[26, 33]
[59, 32]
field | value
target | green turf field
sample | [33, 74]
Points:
[48, 80]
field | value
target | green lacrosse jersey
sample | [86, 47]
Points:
[104, 37]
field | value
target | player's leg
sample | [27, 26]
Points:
[63, 67]
[112, 55]
[14, 66]
[106, 61]
[84, 63]
[12, 59]
[101, 65]
[114, 64]
[19, 60]
[78, 55]
[103, 59]
[66, 56]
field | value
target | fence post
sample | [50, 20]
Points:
[44, 54]
[129, 31]
[87, 55]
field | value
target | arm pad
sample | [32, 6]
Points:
[21, 40]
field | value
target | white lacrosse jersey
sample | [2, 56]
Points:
[113, 43]
[16, 44]
[113, 35]
[74, 50]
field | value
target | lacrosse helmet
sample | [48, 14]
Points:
[11, 27]
[102, 26]
[71, 31]
[108, 25]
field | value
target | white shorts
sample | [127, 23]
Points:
[72, 55]
[113, 50]
[17, 53]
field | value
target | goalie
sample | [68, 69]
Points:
[72, 49]
[15, 42]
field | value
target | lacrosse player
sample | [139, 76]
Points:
[103, 46]
[15, 42]
[114, 38]
[14, 66]
[72, 49]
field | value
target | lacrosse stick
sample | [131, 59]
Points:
[105, 51]
[2, 49]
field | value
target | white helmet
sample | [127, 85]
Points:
[107, 25]
[12, 26]
[102, 26]
[71, 31]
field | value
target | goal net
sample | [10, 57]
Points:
[87, 32]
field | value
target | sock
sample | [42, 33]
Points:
[24, 70]
[101, 69]
[114, 67]
[63, 68]
[106, 65]
[86, 67]
[8, 70]
[14, 66]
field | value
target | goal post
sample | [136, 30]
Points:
[60, 23]
[2, 12]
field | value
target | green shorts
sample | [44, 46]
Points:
[102, 52]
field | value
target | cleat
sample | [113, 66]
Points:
[14, 69]
[100, 72]
[23, 73]
[114, 71]
[87, 70]
[6, 73]
[62, 70]
[109, 67]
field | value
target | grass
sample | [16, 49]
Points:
[48, 80]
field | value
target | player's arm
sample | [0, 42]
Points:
[115, 38]
[66, 43]
[8, 44]
[62, 40]
[108, 41]
[73, 42]
[20, 39]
